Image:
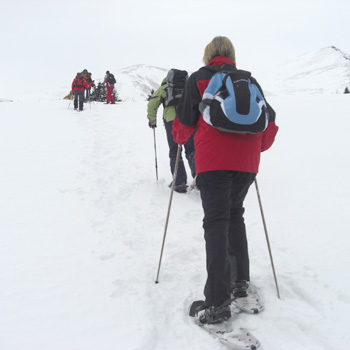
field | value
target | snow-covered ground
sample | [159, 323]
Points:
[82, 220]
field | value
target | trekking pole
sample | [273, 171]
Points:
[155, 152]
[267, 238]
[167, 217]
[89, 99]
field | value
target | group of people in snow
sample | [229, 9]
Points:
[224, 166]
[82, 84]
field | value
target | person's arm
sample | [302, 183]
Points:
[269, 134]
[153, 105]
[86, 84]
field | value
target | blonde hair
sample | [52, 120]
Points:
[219, 46]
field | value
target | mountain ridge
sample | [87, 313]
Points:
[326, 70]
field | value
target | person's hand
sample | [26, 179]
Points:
[152, 126]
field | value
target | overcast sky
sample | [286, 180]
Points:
[45, 42]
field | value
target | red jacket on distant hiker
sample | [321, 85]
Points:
[79, 83]
[110, 88]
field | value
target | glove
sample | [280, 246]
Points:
[152, 126]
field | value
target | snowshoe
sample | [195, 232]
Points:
[234, 339]
[210, 314]
[250, 303]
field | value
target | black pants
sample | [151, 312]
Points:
[223, 193]
[181, 176]
[79, 95]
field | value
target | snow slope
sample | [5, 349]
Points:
[321, 71]
[135, 83]
[82, 222]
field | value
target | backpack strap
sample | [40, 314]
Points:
[204, 104]
[238, 74]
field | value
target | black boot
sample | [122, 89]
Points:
[215, 314]
[182, 188]
[239, 289]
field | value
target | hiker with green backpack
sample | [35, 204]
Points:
[168, 95]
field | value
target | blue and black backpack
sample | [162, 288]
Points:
[233, 102]
[111, 79]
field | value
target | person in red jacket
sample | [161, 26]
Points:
[110, 81]
[226, 165]
[78, 86]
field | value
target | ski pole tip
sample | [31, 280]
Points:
[156, 282]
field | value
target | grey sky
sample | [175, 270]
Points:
[44, 43]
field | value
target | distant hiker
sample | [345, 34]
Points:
[110, 81]
[346, 91]
[91, 83]
[158, 98]
[85, 73]
[78, 86]
[226, 164]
